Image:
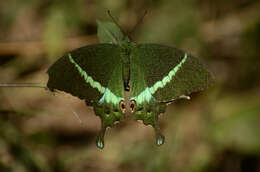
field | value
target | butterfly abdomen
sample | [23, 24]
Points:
[126, 75]
[125, 55]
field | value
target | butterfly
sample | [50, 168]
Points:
[155, 75]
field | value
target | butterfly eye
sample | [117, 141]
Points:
[132, 105]
[122, 106]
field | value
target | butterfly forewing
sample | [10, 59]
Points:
[88, 71]
[167, 72]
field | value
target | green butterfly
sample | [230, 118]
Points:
[154, 74]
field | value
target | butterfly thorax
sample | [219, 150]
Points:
[126, 46]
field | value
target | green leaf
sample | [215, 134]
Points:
[109, 32]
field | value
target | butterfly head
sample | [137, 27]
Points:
[126, 44]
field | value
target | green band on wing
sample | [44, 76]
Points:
[110, 97]
[146, 95]
[87, 78]
[168, 78]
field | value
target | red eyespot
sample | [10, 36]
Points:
[122, 106]
[132, 105]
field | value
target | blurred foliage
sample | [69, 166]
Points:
[218, 130]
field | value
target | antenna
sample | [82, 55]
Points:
[138, 23]
[35, 85]
[114, 20]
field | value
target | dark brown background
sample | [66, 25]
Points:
[217, 130]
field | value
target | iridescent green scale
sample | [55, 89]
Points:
[154, 74]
